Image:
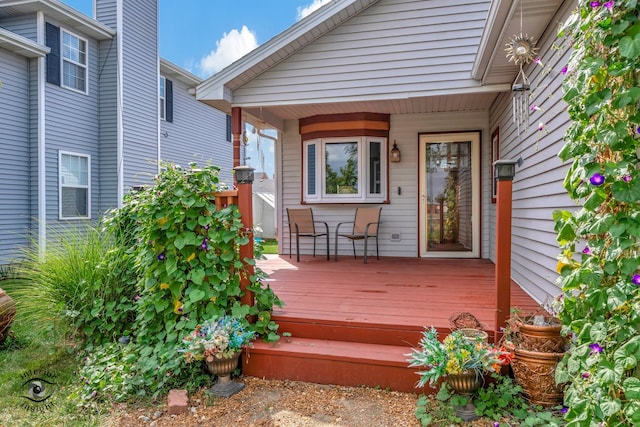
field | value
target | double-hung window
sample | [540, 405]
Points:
[345, 170]
[75, 185]
[67, 59]
[74, 62]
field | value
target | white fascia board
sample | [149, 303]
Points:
[170, 69]
[21, 45]
[210, 88]
[500, 12]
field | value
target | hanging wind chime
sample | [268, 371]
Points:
[521, 50]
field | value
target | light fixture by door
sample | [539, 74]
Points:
[395, 153]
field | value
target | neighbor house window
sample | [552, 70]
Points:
[345, 170]
[74, 62]
[75, 185]
[166, 99]
[67, 59]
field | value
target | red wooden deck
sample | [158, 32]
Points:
[345, 314]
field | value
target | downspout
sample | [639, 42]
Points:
[42, 176]
[119, 103]
[159, 159]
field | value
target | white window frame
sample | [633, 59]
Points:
[62, 184]
[363, 195]
[162, 95]
[64, 59]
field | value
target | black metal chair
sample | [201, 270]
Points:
[301, 224]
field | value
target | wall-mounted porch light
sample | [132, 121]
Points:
[244, 174]
[395, 153]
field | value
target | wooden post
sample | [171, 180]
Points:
[503, 255]
[245, 206]
[236, 133]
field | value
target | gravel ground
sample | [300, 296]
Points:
[269, 403]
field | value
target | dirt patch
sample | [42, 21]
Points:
[284, 404]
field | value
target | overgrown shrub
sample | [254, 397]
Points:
[600, 259]
[188, 254]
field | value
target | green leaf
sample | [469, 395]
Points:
[197, 275]
[630, 46]
[610, 406]
[631, 386]
[196, 295]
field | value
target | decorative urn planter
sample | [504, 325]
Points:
[465, 384]
[7, 314]
[223, 368]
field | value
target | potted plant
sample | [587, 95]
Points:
[538, 345]
[219, 342]
[461, 360]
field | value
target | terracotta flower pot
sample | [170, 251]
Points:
[7, 313]
[541, 338]
[535, 372]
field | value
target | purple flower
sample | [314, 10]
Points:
[596, 179]
[540, 126]
[206, 227]
[161, 257]
[534, 107]
[609, 5]
[496, 424]
[564, 410]
[136, 298]
[204, 245]
[595, 4]
[586, 375]
[564, 70]
[94, 393]
[180, 309]
[586, 250]
[636, 279]
[538, 61]
[596, 348]
[626, 178]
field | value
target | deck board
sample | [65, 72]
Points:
[390, 291]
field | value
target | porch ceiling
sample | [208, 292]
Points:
[275, 115]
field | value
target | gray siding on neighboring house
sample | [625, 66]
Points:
[107, 108]
[401, 215]
[197, 134]
[72, 125]
[14, 155]
[389, 50]
[140, 91]
[537, 186]
[24, 25]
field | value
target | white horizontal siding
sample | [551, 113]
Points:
[400, 216]
[14, 156]
[197, 134]
[391, 49]
[537, 186]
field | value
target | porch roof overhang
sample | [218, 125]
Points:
[491, 71]
[21, 45]
[62, 13]
[503, 21]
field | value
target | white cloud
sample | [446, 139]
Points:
[232, 46]
[309, 9]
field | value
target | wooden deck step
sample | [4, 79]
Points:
[332, 362]
[372, 333]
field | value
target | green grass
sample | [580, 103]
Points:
[270, 246]
[30, 355]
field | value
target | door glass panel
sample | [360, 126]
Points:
[449, 197]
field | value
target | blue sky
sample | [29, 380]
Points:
[203, 36]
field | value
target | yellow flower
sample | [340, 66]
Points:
[192, 256]
[164, 286]
[177, 306]
[213, 299]
[162, 221]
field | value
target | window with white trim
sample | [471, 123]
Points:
[165, 101]
[74, 62]
[345, 170]
[74, 172]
